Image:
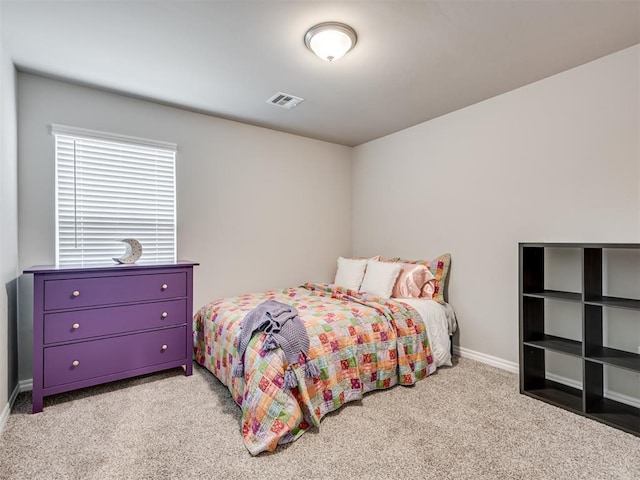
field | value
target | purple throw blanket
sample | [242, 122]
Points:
[284, 329]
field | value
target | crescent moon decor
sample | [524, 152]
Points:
[132, 253]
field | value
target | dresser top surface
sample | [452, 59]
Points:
[108, 267]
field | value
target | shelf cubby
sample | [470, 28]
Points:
[616, 414]
[558, 394]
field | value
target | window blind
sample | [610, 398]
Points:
[111, 187]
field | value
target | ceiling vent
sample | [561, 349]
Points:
[284, 100]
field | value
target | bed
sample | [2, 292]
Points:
[358, 342]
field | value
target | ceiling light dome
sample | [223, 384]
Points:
[330, 40]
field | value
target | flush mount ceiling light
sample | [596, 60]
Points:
[330, 40]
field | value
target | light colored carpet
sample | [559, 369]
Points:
[465, 422]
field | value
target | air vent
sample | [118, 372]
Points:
[284, 100]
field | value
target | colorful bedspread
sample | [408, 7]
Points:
[358, 342]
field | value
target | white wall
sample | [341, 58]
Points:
[8, 233]
[557, 160]
[258, 209]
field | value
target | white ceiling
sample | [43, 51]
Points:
[414, 60]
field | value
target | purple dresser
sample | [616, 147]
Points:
[98, 324]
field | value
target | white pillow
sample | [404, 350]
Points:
[380, 278]
[350, 272]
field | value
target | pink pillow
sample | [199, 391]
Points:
[412, 281]
[429, 288]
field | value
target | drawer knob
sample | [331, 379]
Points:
[76, 293]
[75, 363]
[164, 347]
[164, 286]
[164, 315]
[75, 326]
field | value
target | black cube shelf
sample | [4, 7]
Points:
[590, 400]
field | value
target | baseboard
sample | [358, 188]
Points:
[488, 359]
[26, 385]
[570, 382]
[4, 416]
[620, 397]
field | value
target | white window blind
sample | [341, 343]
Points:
[111, 187]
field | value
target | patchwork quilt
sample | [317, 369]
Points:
[359, 343]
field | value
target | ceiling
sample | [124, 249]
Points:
[414, 60]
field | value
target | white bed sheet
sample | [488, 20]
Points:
[438, 325]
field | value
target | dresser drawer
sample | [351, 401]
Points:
[85, 360]
[82, 324]
[87, 292]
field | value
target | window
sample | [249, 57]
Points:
[111, 187]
